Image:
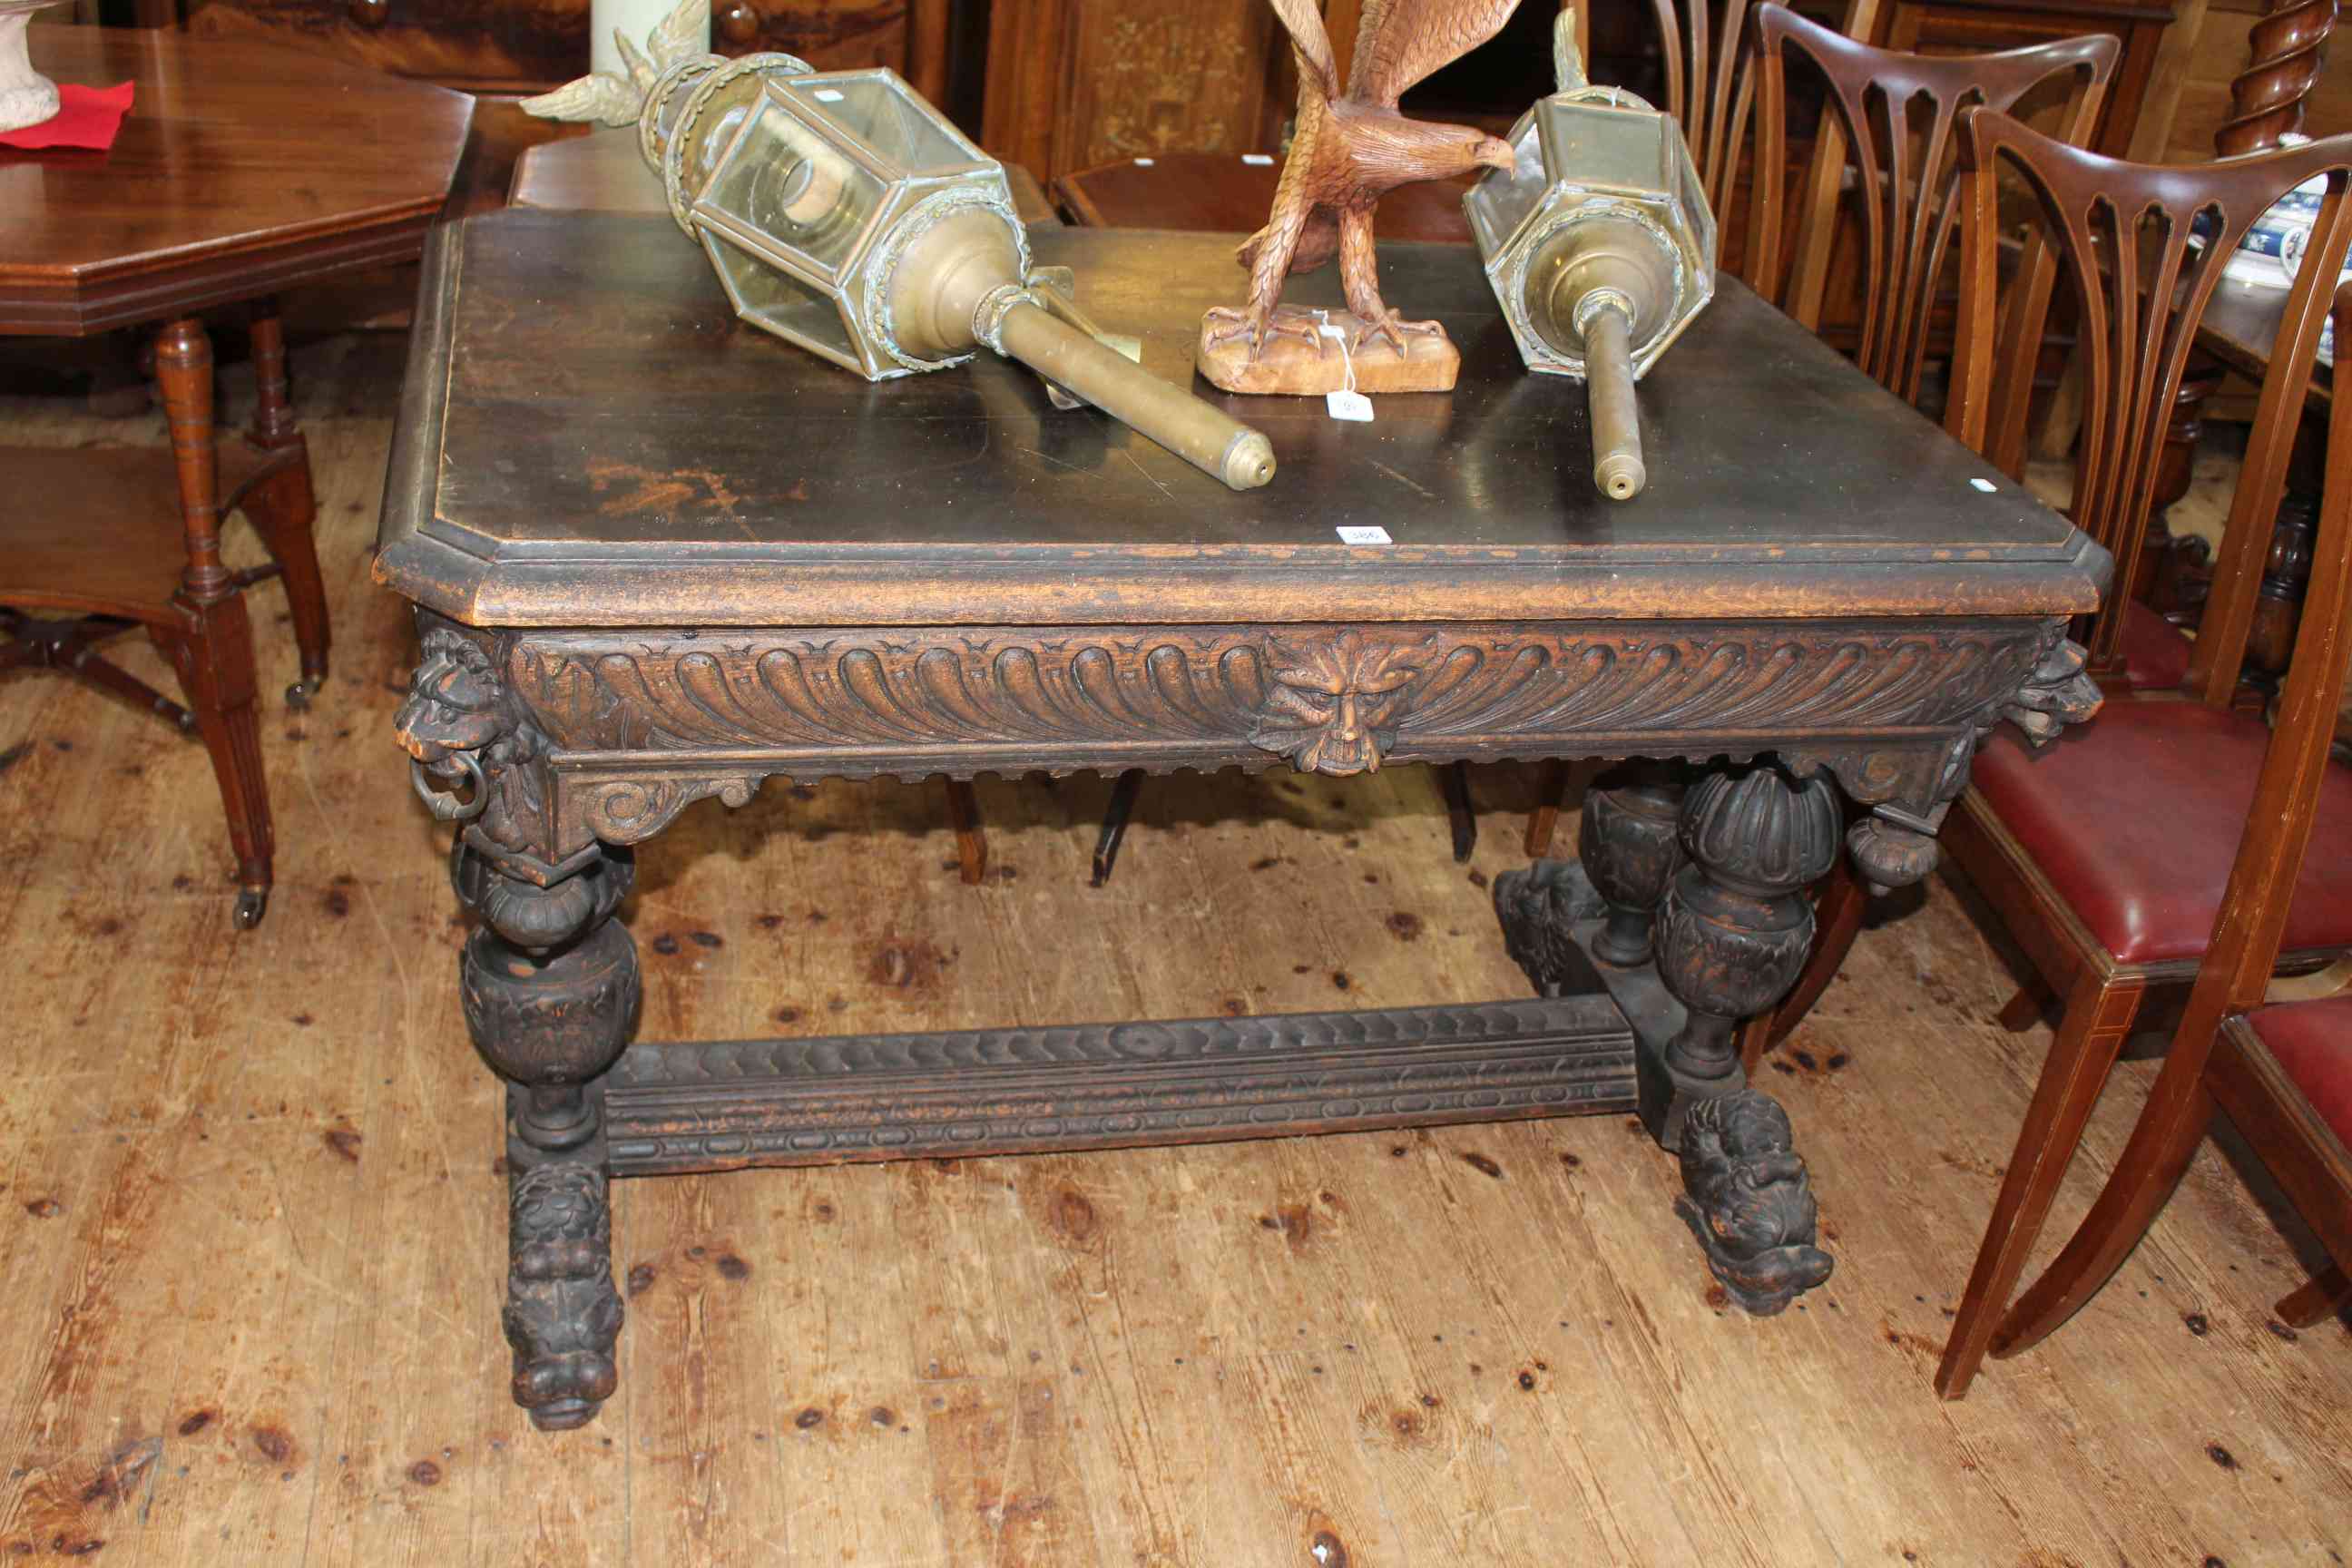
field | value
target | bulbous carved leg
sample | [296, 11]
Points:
[1626, 855]
[1630, 847]
[1731, 936]
[1734, 927]
[550, 987]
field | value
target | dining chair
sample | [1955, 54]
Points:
[1906, 184]
[2283, 1073]
[2105, 853]
[81, 565]
[2135, 353]
[1904, 168]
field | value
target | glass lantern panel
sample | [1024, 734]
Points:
[778, 302]
[884, 112]
[1702, 217]
[781, 180]
[1499, 202]
[1606, 146]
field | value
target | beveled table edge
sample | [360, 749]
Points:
[447, 568]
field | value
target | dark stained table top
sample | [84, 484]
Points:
[242, 169]
[2240, 328]
[589, 438]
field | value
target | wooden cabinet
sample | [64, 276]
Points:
[1071, 84]
[516, 46]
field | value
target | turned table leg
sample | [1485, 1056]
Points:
[550, 986]
[1690, 901]
[1630, 843]
[1732, 935]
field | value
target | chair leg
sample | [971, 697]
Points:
[2162, 1144]
[282, 509]
[2099, 1017]
[2024, 1010]
[1837, 921]
[1114, 826]
[971, 839]
[1455, 780]
[213, 652]
[2321, 1296]
[1551, 788]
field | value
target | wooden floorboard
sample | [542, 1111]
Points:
[251, 1219]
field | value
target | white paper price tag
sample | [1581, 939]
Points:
[1364, 533]
[1350, 405]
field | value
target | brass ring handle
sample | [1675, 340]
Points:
[444, 805]
[739, 23]
[369, 14]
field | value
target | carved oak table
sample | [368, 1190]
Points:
[656, 556]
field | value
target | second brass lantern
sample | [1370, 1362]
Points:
[846, 215]
[1601, 248]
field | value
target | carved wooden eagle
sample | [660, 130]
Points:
[1351, 149]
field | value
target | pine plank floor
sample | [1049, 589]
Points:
[251, 1237]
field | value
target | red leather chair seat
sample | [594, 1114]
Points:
[2134, 818]
[2155, 651]
[2312, 1042]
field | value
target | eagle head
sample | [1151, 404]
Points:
[1494, 152]
[1389, 150]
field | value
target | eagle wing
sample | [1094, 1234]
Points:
[1304, 18]
[685, 31]
[602, 97]
[1400, 42]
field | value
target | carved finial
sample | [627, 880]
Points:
[616, 100]
[1567, 60]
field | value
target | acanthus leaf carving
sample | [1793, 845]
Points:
[632, 809]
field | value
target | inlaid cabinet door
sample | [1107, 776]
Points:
[1072, 84]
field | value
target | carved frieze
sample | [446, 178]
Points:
[622, 714]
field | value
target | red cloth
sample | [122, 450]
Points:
[86, 117]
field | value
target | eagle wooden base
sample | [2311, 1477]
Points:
[1289, 365]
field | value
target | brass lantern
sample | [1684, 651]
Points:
[845, 214]
[1601, 248]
